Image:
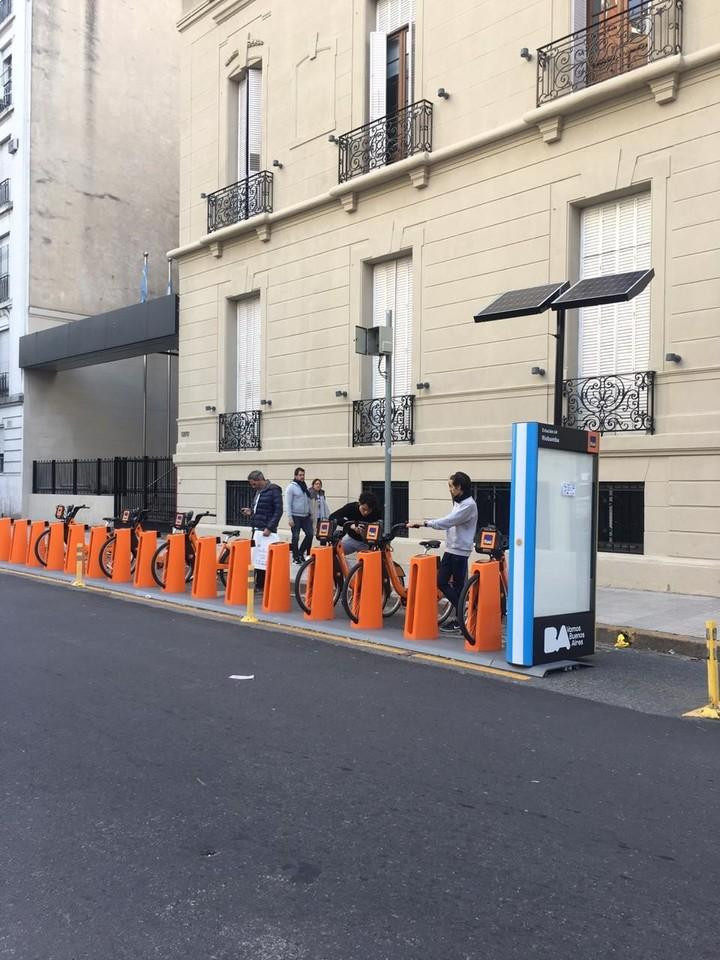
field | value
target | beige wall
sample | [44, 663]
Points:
[499, 211]
[104, 178]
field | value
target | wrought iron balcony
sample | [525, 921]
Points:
[4, 192]
[4, 287]
[240, 201]
[369, 421]
[5, 91]
[240, 431]
[4, 385]
[617, 403]
[614, 45]
[385, 141]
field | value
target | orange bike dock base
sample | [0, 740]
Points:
[367, 599]
[483, 617]
[122, 556]
[56, 547]
[276, 596]
[421, 615]
[19, 548]
[236, 590]
[5, 538]
[98, 539]
[147, 545]
[76, 538]
[175, 564]
[37, 529]
[320, 589]
[204, 585]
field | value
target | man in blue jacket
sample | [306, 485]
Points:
[460, 524]
[266, 510]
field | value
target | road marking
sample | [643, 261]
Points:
[463, 665]
[237, 676]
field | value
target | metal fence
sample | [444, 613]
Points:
[135, 482]
[240, 201]
[4, 192]
[4, 384]
[238, 494]
[368, 425]
[613, 403]
[385, 141]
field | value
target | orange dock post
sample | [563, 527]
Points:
[368, 599]
[276, 596]
[236, 589]
[421, 614]
[484, 614]
[147, 545]
[321, 585]
[76, 537]
[56, 547]
[5, 538]
[36, 530]
[175, 564]
[19, 547]
[122, 556]
[204, 585]
[98, 539]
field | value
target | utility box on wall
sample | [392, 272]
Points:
[553, 544]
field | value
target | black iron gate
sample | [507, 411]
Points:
[148, 483]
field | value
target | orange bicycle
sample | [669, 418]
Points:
[130, 518]
[67, 515]
[394, 590]
[493, 544]
[327, 533]
[187, 523]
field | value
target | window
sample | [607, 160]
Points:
[4, 268]
[621, 518]
[249, 354]
[5, 9]
[6, 87]
[615, 238]
[391, 57]
[493, 503]
[392, 290]
[238, 494]
[400, 499]
[249, 124]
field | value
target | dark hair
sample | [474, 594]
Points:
[461, 480]
[369, 499]
[299, 470]
[256, 475]
[316, 480]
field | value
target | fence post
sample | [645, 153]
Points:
[98, 477]
[74, 482]
[52, 476]
[34, 476]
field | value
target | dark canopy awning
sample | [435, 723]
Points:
[150, 327]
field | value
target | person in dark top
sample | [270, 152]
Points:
[266, 511]
[358, 512]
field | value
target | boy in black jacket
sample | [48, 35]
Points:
[361, 511]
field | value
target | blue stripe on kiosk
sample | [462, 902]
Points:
[553, 536]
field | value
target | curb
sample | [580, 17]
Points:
[654, 640]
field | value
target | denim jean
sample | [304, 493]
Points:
[452, 574]
[301, 525]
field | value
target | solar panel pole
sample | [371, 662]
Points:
[559, 364]
[388, 430]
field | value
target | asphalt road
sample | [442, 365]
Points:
[338, 806]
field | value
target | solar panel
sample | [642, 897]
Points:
[616, 288]
[522, 303]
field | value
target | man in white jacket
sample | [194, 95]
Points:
[461, 524]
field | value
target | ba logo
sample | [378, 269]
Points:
[556, 640]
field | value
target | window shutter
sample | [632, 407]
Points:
[579, 15]
[393, 14]
[255, 79]
[4, 351]
[392, 290]
[378, 75]
[249, 354]
[615, 238]
[242, 130]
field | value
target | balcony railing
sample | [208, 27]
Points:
[240, 430]
[369, 421]
[4, 385]
[4, 192]
[5, 92]
[5, 9]
[4, 287]
[240, 201]
[610, 47]
[617, 403]
[385, 141]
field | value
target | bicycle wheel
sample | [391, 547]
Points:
[392, 600]
[159, 562]
[467, 609]
[42, 546]
[301, 581]
[348, 591]
[107, 554]
[223, 571]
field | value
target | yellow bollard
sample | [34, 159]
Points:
[250, 615]
[712, 710]
[79, 580]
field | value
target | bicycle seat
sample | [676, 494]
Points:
[110, 519]
[430, 544]
[231, 533]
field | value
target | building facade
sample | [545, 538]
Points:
[339, 161]
[88, 183]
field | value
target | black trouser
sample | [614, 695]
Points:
[304, 525]
[452, 574]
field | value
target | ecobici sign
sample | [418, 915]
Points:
[553, 536]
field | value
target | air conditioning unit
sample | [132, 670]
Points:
[13, 145]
